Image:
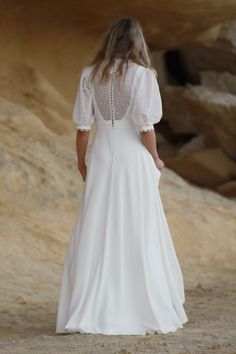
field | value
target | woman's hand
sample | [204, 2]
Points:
[83, 170]
[159, 163]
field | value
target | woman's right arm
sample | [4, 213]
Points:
[148, 110]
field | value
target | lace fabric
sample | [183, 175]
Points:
[135, 96]
[113, 97]
[83, 112]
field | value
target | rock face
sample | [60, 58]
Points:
[219, 81]
[228, 189]
[216, 55]
[200, 110]
[205, 110]
[24, 85]
[30, 155]
[58, 38]
[208, 167]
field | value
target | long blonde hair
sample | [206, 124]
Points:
[124, 40]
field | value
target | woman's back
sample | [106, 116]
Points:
[134, 96]
[112, 99]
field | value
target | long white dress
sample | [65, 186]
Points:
[121, 274]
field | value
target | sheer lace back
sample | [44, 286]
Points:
[113, 98]
[135, 95]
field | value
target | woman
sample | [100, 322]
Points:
[121, 273]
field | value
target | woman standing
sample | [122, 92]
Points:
[121, 273]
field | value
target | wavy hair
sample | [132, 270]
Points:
[124, 40]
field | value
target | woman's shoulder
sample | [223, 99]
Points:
[141, 70]
[86, 70]
[85, 74]
[144, 70]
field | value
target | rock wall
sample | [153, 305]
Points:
[58, 37]
[202, 110]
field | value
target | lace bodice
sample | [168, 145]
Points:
[134, 96]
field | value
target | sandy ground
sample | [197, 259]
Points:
[210, 307]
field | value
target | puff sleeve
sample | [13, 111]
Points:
[148, 104]
[83, 112]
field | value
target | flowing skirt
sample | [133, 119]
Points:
[121, 274]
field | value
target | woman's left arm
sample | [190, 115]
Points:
[83, 117]
[82, 137]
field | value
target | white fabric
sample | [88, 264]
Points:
[121, 274]
[137, 98]
[147, 106]
[83, 114]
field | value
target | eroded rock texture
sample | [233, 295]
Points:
[202, 107]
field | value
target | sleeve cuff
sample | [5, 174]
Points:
[83, 127]
[146, 128]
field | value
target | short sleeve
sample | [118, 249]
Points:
[148, 105]
[83, 112]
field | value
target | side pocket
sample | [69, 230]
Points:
[158, 171]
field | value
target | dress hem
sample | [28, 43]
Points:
[71, 330]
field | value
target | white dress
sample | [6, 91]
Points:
[121, 274]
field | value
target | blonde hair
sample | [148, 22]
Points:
[124, 40]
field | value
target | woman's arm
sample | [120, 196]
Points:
[148, 138]
[82, 137]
